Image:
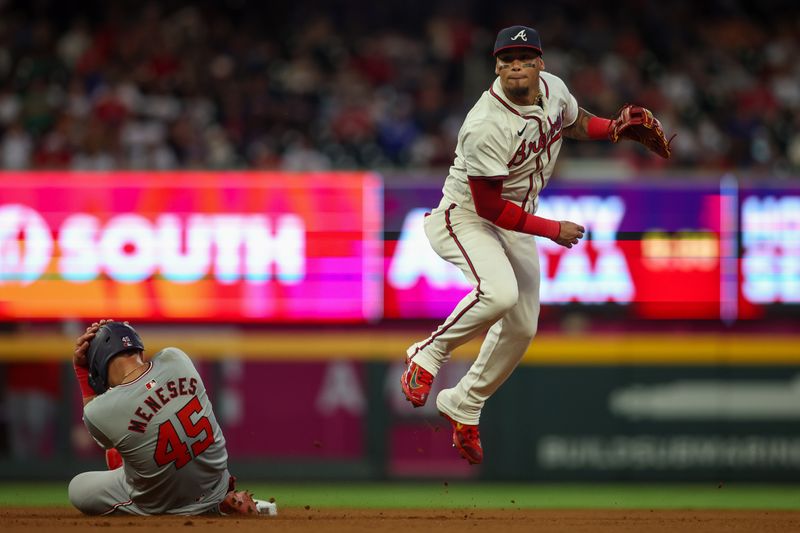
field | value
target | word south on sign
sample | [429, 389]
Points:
[130, 248]
[196, 246]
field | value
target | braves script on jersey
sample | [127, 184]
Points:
[518, 144]
[164, 427]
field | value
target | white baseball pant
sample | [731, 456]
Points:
[503, 267]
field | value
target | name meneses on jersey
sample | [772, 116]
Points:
[175, 388]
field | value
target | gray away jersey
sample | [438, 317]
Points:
[164, 427]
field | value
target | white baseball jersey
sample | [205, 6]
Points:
[517, 144]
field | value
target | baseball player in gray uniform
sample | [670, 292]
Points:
[485, 225]
[165, 450]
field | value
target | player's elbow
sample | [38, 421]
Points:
[489, 212]
[487, 197]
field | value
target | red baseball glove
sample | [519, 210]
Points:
[638, 124]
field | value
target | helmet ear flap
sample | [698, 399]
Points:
[95, 385]
[111, 339]
[98, 361]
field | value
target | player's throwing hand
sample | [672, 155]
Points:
[570, 234]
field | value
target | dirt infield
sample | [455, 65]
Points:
[300, 520]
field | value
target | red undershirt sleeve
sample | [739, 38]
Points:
[82, 373]
[490, 205]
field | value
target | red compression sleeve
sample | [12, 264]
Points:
[598, 128]
[82, 373]
[490, 204]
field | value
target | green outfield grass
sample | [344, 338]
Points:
[481, 496]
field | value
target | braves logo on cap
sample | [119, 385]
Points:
[126, 342]
[517, 37]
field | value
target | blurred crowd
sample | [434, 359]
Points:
[305, 85]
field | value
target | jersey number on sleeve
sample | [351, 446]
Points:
[170, 448]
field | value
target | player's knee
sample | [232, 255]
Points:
[528, 330]
[79, 495]
[74, 493]
[501, 298]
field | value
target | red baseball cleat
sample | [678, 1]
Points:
[467, 440]
[416, 383]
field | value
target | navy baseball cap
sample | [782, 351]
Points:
[517, 37]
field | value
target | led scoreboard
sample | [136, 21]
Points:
[344, 247]
[196, 246]
[662, 250]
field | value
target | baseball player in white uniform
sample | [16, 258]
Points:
[485, 225]
[165, 451]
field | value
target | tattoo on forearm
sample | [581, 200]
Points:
[580, 128]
